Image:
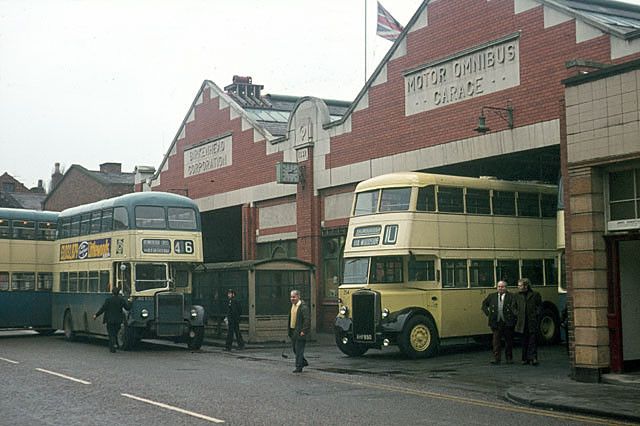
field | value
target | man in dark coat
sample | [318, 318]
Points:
[233, 321]
[499, 308]
[529, 307]
[299, 324]
[113, 316]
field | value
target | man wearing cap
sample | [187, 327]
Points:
[233, 321]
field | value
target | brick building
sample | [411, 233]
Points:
[418, 111]
[14, 194]
[602, 152]
[81, 186]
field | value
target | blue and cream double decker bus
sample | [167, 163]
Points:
[145, 243]
[423, 251]
[26, 265]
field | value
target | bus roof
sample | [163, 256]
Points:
[404, 179]
[32, 215]
[150, 198]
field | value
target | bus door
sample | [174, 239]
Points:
[123, 276]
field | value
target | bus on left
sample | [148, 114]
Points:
[27, 244]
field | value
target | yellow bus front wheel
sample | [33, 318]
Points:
[419, 338]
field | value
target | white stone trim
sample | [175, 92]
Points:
[621, 48]
[585, 32]
[277, 237]
[247, 195]
[553, 17]
[483, 146]
[520, 6]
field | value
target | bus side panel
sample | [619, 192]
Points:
[25, 309]
[462, 311]
[81, 306]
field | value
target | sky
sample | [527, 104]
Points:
[94, 81]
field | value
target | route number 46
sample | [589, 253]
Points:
[183, 247]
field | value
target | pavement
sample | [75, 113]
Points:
[547, 386]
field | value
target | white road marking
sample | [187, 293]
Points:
[84, 382]
[169, 407]
[9, 360]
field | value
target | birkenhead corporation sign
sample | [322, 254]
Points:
[481, 70]
[207, 156]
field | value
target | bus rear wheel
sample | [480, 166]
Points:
[195, 338]
[67, 325]
[419, 339]
[549, 327]
[349, 348]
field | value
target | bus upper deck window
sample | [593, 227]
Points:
[450, 199]
[395, 199]
[366, 203]
[107, 220]
[427, 199]
[5, 230]
[47, 231]
[24, 229]
[549, 205]
[528, 204]
[152, 217]
[182, 218]
[478, 201]
[504, 203]
[96, 221]
[120, 219]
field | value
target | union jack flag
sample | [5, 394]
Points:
[388, 27]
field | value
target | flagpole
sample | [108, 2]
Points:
[365, 41]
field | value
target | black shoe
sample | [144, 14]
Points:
[113, 351]
[298, 370]
[495, 362]
[534, 362]
[305, 363]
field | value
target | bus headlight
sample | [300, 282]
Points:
[144, 313]
[194, 313]
[344, 310]
[385, 313]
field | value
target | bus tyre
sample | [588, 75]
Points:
[549, 327]
[350, 349]
[194, 340]
[419, 338]
[67, 325]
[127, 338]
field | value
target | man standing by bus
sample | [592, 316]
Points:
[233, 321]
[529, 305]
[299, 326]
[500, 310]
[113, 316]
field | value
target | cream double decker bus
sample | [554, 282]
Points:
[145, 243]
[423, 251]
[26, 265]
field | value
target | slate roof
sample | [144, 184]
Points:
[274, 111]
[620, 18]
[107, 178]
